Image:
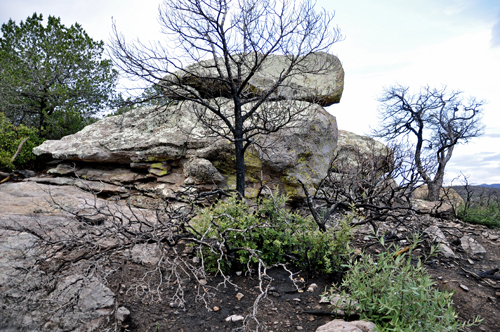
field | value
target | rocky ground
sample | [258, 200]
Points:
[133, 289]
[289, 309]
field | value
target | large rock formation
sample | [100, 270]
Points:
[160, 149]
[353, 149]
[169, 146]
[447, 205]
[316, 78]
[446, 194]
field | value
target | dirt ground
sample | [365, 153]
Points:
[483, 295]
[283, 310]
[289, 306]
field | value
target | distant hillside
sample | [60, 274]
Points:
[494, 185]
[480, 193]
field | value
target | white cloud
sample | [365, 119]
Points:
[495, 35]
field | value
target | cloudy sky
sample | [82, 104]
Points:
[410, 42]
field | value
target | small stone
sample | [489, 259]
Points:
[300, 328]
[446, 250]
[173, 305]
[296, 299]
[497, 293]
[234, 318]
[470, 246]
[324, 299]
[274, 293]
[440, 278]
[471, 262]
[196, 260]
[312, 287]
[203, 282]
[357, 252]
[238, 273]
[122, 314]
[216, 309]
[341, 325]
[366, 238]
[239, 296]
[465, 288]
[494, 237]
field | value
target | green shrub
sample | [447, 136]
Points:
[10, 138]
[487, 215]
[240, 233]
[65, 122]
[399, 296]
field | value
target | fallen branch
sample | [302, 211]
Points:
[18, 150]
[6, 179]
[479, 277]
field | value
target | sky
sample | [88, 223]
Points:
[409, 42]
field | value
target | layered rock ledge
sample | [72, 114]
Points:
[171, 146]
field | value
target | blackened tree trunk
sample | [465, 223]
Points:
[240, 167]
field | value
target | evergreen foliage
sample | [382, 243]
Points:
[10, 138]
[52, 77]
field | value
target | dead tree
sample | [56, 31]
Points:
[365, 181]
[436, 120]
[219, 47]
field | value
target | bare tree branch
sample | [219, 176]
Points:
[436, 120]
[215, 48]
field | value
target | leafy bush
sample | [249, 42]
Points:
[487, 215]
[243, 234]
[398, 296]
[65, 122]
[10, 138]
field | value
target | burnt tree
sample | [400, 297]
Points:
[435, 121]
[214, 52]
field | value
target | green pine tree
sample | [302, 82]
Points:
[53, 77]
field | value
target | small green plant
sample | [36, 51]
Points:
[397, 295]
[487, 215]
[65, 122]
[244, 234]
[10, 138]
